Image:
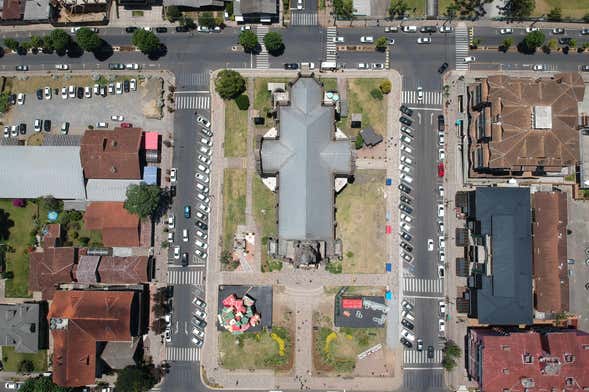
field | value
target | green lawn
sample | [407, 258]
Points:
[329, 84]
[235, 130]
[12, 359]
[265, 215]
[16, 225]
[360, 101]
[443, 5]
[255, 350]
[416, 7]
[262, 95]
[233, 204]
[338, 350]
[570, 8]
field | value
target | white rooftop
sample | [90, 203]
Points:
[542, 117]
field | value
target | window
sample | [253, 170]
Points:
[569, 358]
[570, 381]
[505, 347]
[505, 371]
[528, 358]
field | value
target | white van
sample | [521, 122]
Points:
[410, 29]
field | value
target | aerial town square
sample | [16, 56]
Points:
[294, 195]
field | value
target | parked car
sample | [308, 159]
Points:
[407, 324]
[406, 236]
[119, 88]
[367, 39]
[362, 66]
[187, 211]
[407, 130]
[203, 121]
[65, 128]
[391, 29]
[80, 92]
[441, 154]
[428, 29]
[441, 170]
[406, 342]
[133, 84]
[469, 59]
[87, 92]
[405, 110]
[291, 66]
[557, 30]
[171, 222]
[445, 29]
[101, 124]
[185, 235]
[419, 344]
[441, 271]
[206, 141]
[424, 40]
[201, 225]
[200, 244]
[117, 117]
[404, 188]
[408, 335]
[406, 177]
[405, 208]
[442, 325]
[199, 333]
[405, 120]
[409, 29]
[202, 177]
[22, 67]
[506, 31]
[47, 93]
[176, 252]
[430, 352]
[539, 67]
[407, 305]
[406, 246]
[182, 29]
[443, 68]
[62, 67]
[440, 210]
[161, 30]
[47, 125]
[38, 125]
[116, 66]
[430, 245]
[126, 86]
[126, 125]
[133, 66]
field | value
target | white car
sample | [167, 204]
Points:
[202, 177]
[38, 124]
[440, 210]
[405, 226]
[200, 314]
[408, 335]
[420, 93]
[185, 235]
[87, 92]
[391, 29]
[11, 385]
[168, 335]
[119, 88]
[407, 178]
[445, 29]
[404, 168]
[406, 139]
[204, 208]
[133, 85]
[405, 159]
[202, 188]
[116, 117]
[442, 305]
[74, 29]
[205, 150]
[170, 236]
[441, 191]
[530, 29]
[442, 257]
[441, 227]
[409, 29]
[539, 67]
[441, 138]
[200, 244]
[102, 124]
[203, 198]
[96, 89]
[176, 253]
[202, 235]
[424, 40]
[338, 39]
[48, 92]
[201, 216]
[469, 59]
[62, 67]
[362, 66]
[442, 325]
[173, 173]
[147, 28]
[6, 132]
[111, 88]
[171, 222]
[406, 218]
[204, 159]
[64, 93]
[71, 90]
[206, 141]
[198, 333]
[441, 242]
[200, 253]
[13, 131]
[203, 121]
[406, 149]
[20, 99]
[506, 31]
[367, 39]
[244, 28]
[441, 154]
[199, 302]
[132, 66]
[430, 245]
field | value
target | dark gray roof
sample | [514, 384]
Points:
[307, 157]
[258, 7]
[119, 355]
[194, 3]
[19, 326]
[506, 296]
[370, 137]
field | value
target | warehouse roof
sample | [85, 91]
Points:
[35, 171]
[108, 190]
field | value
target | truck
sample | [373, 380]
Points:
[328, 66]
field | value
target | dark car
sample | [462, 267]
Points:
[47, 125]
[181, 29]
[161, 29]
[428, 29]
[198, 322]
[407, 324]
[126, 125]
[80, 92]
[406, 236]
[201, 225]
[406, 246]
[564, 40]
[22, 67]
[291, 66]
[430, 352]
[406, 343]
[404, 188]
[405, 208]
[23, 128]
[130, 29]
[40, 94]
[443, 68]
[585, 68]
[173, 190]
[184, 259]
[405, 110]
[12, 99]
[441, 123]
[126, 86]
[585, 32]
[405, 199]
[406, 121]
[116, 66]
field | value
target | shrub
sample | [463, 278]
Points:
[385, 87]
[20, 203]
[359, 142]
[242, 101]
[376, 94]
[84, 241]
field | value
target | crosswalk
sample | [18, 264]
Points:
[185, 276]
[192, 79]
[187, 354]
[418, 285]
[302, 18]
[461, 47]
[330, 45]
[414, 357]
[429, 97]
[192, 101]
[262, 57]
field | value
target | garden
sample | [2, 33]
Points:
[256, 350]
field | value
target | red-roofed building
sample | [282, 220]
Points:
[119, 227]
[51, 267]
[81, 321]
[503, 361]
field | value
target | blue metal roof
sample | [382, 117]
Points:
[150, 175]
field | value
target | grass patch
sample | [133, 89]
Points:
[136, 13]
[338, 350]
[264, 210]
[235, 130]
[443, 5]
[416, 7]
[262, 97]
[11, 359]
[256, 350]
[233, 204]
[361, 101]
[330, 84]
[360, 223]
[571, 8]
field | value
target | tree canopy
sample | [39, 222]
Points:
[517, 9]
[143, 199]
[60, 40]
[207, 19]
[534, 40]
[135, 379]
[146, 41]
[229, 84]
[344, 9]
[173, 13]
[273, 42]
[42, 384]
[88, 39]
[398, 8]
[248, 40]
[381, 44]
[555, 14]
[11, 44]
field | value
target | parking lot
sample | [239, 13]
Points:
[141, 107]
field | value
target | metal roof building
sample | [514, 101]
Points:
[34, 171]
[108, 190]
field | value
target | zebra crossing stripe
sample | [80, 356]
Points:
[193, 79]
[182, 276]
[262, 57]
[303, 18]
[186, 354]
[330, 45]
[415, 357]
[185, 101]
[429, 97]
[417, 285]
[462, 39]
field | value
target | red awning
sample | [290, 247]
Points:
[151, 140]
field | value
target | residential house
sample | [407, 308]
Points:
[23, 326]
[13, 9]
[119, 227]
[256, 11]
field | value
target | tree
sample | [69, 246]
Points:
[248, 40]
[158, 326]
[188, 22]
[534, 40]
[207, 19]
[146, 41]
[42, 384]
[344, 9]
[552, 44]
[555, 15]
[173, 13]
[572, 43]
[381, 44]
[143, 199]
[451, 10]
[359, 142]
[273, 42]
[507, 43]
[26, 366]
[88, 39]
[135, 379]
[451, 352]
[37, 41]
[11, 44]
[517, 9]
[586, 18]
[398, 8]
[242, 101]
[229, 84]
[386, 87]
[60, 40]
[50, 203]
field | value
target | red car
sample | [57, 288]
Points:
[388, 229]
[441, 169]
[126, 125]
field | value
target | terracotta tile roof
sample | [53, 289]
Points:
[118, 226]
[53, 236]
[49, 268]
[551, 280]
[13, 9]
[123, 270]
[92, 316]
[497, 362]
[111, 154]
[515, 144]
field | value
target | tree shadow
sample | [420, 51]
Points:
[104, 51]
[74, 50]
[523, 48]
[278, 52]
[5, 225]
[161, 51]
